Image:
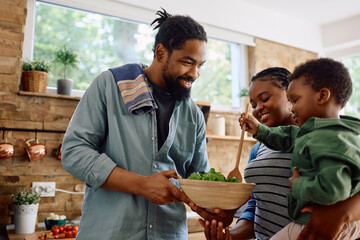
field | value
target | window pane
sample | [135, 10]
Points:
[352, 108]
[102, 42]
[214, 84]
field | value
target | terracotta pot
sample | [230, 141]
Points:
[6, 150]
[35, 151]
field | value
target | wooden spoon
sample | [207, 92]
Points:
[236, 172]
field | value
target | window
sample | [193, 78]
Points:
[352, 107]
[103, 41]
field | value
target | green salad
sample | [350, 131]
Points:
[212, 175]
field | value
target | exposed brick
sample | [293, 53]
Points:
[73, 206]
[4, 220]
[52, 207]
[19, 3]
[4, 210]
[8, 65]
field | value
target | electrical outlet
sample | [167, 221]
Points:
[46, 189]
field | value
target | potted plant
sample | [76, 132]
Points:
[244, 92]
[68, 59]
[35, 75]
[26, 203]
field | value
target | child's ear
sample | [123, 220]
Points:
[324, 95]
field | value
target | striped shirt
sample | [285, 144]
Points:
[270, 170]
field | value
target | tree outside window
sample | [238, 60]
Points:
[352, 108]
[103, 42]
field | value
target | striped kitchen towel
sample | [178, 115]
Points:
[134, 88]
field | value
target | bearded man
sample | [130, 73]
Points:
[135, 131]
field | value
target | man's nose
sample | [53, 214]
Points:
[194, 72]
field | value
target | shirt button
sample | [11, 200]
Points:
[153, 138]
[150, 226]
[156, 166]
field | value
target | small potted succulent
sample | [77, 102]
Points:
[26, 203]
[244, 98]
[244, 92]
[68, 59]
[35, 75]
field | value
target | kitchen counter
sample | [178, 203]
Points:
[10, 230]
[195, 230]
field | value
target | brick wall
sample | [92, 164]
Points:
[271, 54]
[22, 111]
[48, 112]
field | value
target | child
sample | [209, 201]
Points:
[325, 147]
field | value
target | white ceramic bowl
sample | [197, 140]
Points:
[213, 194]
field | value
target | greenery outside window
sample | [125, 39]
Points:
[102, 42]
[352, 107]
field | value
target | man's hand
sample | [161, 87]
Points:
[252, 125]
[296, 174]
[160, 190]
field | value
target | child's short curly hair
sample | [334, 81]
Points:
[326, 73]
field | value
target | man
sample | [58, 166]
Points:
[134, 132]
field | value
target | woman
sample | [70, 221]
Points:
[266, 213]
[270, 170]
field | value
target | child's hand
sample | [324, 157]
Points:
[295, 175]
[252, 125]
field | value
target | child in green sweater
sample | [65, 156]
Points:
[325, 147]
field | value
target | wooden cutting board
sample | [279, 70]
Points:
[35, 235]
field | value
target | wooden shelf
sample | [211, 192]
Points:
[26, 93]
[229, 138]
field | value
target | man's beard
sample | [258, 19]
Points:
[173, 85]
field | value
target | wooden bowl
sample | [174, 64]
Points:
[213, 194]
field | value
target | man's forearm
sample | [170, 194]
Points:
[122, 180]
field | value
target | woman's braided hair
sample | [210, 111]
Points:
[175, 30]
[277, 75]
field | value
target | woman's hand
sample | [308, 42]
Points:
[224, 216]
[326, 222]
[296, 174]
[323, 223]
[252, 125]
[215, 230]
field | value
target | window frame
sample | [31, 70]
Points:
[134, 13]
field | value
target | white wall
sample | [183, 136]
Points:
[244, 18]
[342, 39]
